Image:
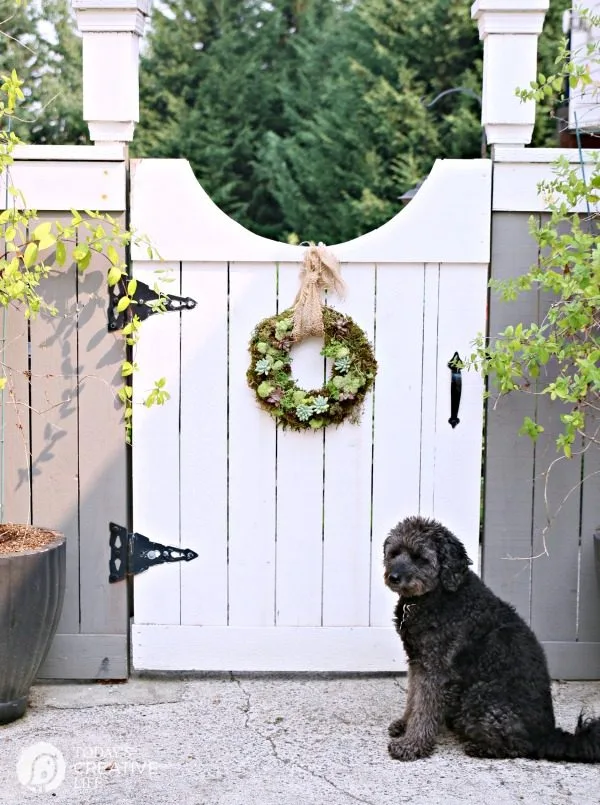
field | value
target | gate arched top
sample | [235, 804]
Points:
[448, 220]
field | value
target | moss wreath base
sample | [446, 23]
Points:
[270, 373]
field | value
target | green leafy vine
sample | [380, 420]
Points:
[558, 356]
[33, 249]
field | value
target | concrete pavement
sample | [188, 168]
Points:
[260, 741]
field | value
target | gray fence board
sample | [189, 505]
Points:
[561, 593]
[102, 454]
[54, 461]
[509, 461]
[84, 656]
[556, 530]
[589, 575]
[571, 660]
[15, 419]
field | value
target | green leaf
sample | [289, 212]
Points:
[131, 287]
[80, 252]
[126, 369]
[530, 428]
[61, 253]
[42, 230]
[85, 261]
[30, 256]
[114, 275]
[113, 255]
[123, 304]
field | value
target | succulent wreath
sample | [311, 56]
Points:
[353, 364]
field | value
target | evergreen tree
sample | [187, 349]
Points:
[308, 120]
[209, 93]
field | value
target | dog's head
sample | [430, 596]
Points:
[419, 555]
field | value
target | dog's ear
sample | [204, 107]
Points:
[386, 542]
[454, 562]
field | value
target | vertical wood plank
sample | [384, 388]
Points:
[397, 436]
[252, 297]
[509, 458]
[155, 451]
[103, 454]
[299, 567]
[348, 463]
[429, 390]
[204, 444]
[458, 452]
[558, 570]
[589, 578]
[54, 424]
[560, 516]
[15, 418]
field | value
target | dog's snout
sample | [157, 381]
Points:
[399, 573]
[400, 569]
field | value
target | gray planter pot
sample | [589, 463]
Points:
[597, 549]
[32, 589]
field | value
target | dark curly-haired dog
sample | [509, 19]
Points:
[472, 661]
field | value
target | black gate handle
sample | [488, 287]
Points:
[455, 366]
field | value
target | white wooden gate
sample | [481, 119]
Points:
[289, 526]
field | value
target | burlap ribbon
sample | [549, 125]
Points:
[320, 271]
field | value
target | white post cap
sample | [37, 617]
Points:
[510, 31]
[111, 31]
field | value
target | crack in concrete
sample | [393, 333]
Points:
[48, 706]
[246, 694]
[284, 761]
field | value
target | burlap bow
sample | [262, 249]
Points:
[320, 271]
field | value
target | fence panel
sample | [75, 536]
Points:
[289, 527]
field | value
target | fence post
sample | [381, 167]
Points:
[111, 31]
[510, 31]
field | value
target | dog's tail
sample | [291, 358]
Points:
[582, 746]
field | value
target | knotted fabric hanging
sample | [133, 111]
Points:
[320, 272]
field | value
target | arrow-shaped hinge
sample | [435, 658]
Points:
[146, 301]
[132, 553]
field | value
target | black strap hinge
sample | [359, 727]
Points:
[146, 301]
[132, 553]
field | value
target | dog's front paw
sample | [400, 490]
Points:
[397, 728]
[401, 749]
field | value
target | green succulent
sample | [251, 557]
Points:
[343, 364]
[299, 397]
[320, 404]
[263, 366]
[304, 412]
[284, 324]
[264, 390]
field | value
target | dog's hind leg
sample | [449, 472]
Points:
[493, 730]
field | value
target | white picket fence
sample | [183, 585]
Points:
[289, 526]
